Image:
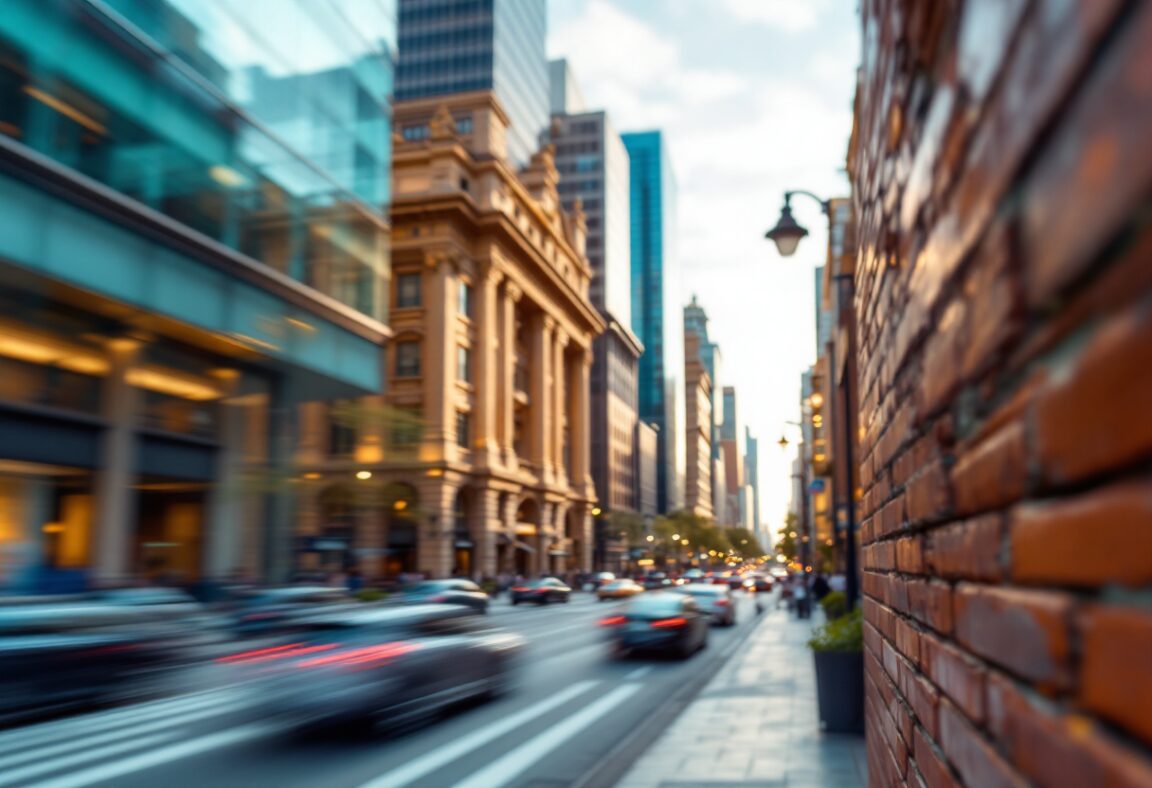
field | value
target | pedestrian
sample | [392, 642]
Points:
[820, 588]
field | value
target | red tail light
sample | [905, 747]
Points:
[612, 621]
[439, 598]
[277, 652]
[520, 588]
[366, 657]
[722, 602]
[669, 623]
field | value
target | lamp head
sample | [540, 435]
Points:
[787, 232]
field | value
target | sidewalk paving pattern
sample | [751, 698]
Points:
[755, 724]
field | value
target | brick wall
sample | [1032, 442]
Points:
[1002, 170]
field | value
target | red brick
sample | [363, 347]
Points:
[1098, 538]
[992, 473]
[907, 640]
[973, 757]
[922, 696]
[994, 295]
[967, 550]
[941, 375]
[1094, 415]
[956, 675]
[1116, 667]
[928, 496]
[910, 555]
[896, 593]
[880, 556]
[1059, 749]
[930, 602]
[1025, 631]
[930, 762]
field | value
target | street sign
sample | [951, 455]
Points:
[817, 486]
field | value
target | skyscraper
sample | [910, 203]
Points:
[593, 167]
[656, 306]
[696, 324]
[730, 434]
[752, 477]
[471, 45]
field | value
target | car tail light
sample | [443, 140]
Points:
[722, 602]
[277, 652]
[669, 623]
[366, 657]
[439, 598]
[612, 621]
[520, 588]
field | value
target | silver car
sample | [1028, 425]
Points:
[715, 600]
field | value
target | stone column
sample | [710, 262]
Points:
[115, 497]
[559, 405]
[224, 548]
[485, 448]
[435, 526]
[579, 431]
[280, 501]
[438, 363]
[486, 527]
[507, 380]
[541, 452]
[586, 537]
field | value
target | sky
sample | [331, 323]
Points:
[754, 97]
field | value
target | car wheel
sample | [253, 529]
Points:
[566, 598]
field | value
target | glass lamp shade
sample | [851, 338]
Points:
[787, 233]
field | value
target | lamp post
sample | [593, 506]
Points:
[787, 235]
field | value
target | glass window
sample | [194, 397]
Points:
[407, 426]
[407, 290]
[342, 429]
[464, 364]
[415, 133]
[463, 426]
[465, 299]
[407, 359]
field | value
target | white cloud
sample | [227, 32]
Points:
[790, 16]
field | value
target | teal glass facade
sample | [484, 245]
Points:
[457, 46]
[656, 305]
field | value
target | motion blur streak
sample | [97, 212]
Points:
[504, 770]
[416, 769]
[19, 776]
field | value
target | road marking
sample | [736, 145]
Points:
[173, 752]
[58, 729]
[39, 752]
[20, 776]
[442, 756]
[638, 673]
[506, 768]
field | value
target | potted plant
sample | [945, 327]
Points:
[838, 650]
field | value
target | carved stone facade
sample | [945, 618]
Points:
[478, 452]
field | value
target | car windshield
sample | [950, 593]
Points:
[703, 590]
[656, 605]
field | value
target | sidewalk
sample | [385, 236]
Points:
[755, 723]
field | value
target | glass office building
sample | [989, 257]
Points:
[195, 239]
[656, 305]
[457, 46]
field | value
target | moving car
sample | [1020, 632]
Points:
[694, 576]
[452, 592]
[658, 622]
[602, 579]
[359, 666]
[619, 589]
[758, 583]
[714, 600]
[272, 611]
[657, 581]
[542, 591]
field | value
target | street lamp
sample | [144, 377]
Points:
[787, 235]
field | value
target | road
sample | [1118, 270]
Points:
[575, 718]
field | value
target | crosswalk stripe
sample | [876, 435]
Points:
[441, 756]
[506, 768]
[20, 776]
[148, 726]
[59, 729]
[136, 763]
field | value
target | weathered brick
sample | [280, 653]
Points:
[992, 473]
[1093, 416]
[910, 555]
[1116, 667]
[907, 640]
[967, 550]
[880, 556]
[930, 762]
[1025, 631]
[928, 494]
[1101, 537]
[922, 697]
[930, 602]
[973, 757]
[957, 676]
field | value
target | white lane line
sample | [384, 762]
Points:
[441, 756]
[110, 771]
[638, 673]
[21, 776]
[149, 726]
[505, 769]
[69, 728]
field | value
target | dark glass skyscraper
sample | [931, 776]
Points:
[457, 46]
[656, 305]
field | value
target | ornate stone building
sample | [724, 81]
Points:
[476, 460]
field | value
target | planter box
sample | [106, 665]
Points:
[840, 690]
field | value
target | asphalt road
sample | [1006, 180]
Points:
[575, 718]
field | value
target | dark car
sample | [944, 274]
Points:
[656, 581]
[451, 592]
[542, 591]
[62, 654]
[758, 583]
[714, 600]
[273, 611]
[659, 622]
[735, 582]
[359, 666]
